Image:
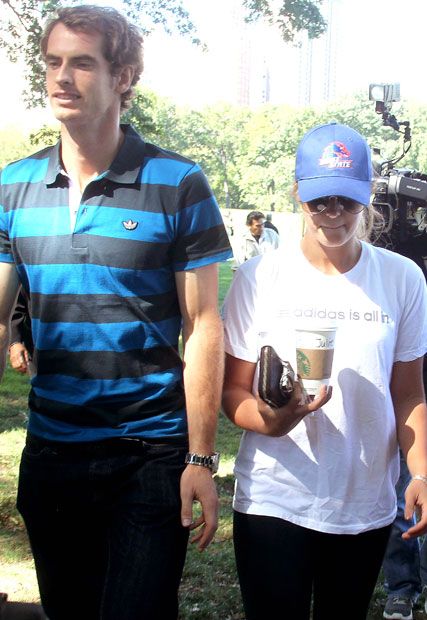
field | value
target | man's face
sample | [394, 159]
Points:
[256, 227]
[79, 83]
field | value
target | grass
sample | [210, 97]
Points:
[209, 589]
[17, 575]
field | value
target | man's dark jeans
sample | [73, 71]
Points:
[104, 526]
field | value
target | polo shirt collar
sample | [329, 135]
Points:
[124, 169]
[126, 166]
[54, 168]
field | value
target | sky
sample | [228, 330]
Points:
[379, 41]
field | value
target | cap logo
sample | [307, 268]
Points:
[336, 155]
[130, 225]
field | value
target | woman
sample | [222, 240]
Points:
[315, 480]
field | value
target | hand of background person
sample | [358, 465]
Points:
[280, 421]
[416, 501]
[197, 484]
[19, 357]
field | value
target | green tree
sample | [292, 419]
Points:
[268, 168]
[13, 145]
[216, 138]
[416, 158]
[290, 16]
[143, 113]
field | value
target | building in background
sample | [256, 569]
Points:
[319, 60]
[246, 64]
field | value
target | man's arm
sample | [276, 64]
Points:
[203, 375]
[9, 287]
[411, 422]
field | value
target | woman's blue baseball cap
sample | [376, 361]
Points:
[334, 160]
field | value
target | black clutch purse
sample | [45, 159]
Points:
[276, 378]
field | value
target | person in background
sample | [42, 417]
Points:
[21, 342]
[269, 223]
[315, 481]
[257, 239]
[405, 561]
[107, 237]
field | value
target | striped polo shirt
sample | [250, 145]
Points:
[105, 313]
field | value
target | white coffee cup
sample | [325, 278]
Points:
[315, 353]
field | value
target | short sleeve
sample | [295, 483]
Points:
[411, 340]
[200, 234]
[239, 314]
[5, 245]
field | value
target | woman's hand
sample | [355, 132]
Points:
[280, 421]
[253, 414]
[416, 501]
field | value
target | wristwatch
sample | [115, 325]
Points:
[211, 461]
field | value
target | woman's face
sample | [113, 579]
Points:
[334, 227]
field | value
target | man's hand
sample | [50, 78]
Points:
[19, 357]
[280, 421]
[197, 484]
[416, 501]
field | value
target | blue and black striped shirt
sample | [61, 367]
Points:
[105, 313]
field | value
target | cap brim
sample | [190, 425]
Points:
[310, 189]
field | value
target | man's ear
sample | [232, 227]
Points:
[124, 79]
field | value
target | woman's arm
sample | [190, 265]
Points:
[253, 414]
[411, 422]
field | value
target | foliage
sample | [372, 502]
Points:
[151, 115]
[217, 139]
[267, 170]
[45, 136]
[290, 16]
[20, 35]
[170, 14]
[13, 145]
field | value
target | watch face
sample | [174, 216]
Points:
[215, 462]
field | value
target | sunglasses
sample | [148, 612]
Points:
[319, 205]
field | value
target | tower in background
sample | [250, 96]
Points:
[318, 60]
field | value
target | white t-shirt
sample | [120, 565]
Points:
[336, 470]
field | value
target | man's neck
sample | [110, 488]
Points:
[86, 154]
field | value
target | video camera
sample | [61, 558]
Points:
[400, 194]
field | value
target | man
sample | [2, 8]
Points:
[116, 241]
[257, 239]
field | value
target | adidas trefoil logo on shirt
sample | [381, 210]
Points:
[130, 225]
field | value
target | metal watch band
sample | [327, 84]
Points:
[210, 461]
